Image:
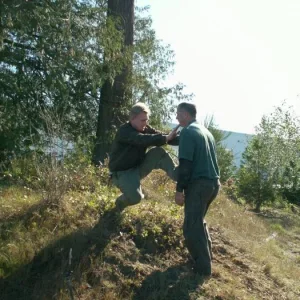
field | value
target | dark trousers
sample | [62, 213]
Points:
[198, 196]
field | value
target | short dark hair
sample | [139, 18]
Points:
[189, 108]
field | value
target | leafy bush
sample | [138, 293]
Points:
[230, 189]
[253, 187]
[270, 167]
[55, 176]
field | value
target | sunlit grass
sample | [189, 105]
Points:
[141, 253]
[263, 241]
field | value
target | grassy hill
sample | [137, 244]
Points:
[80, 247]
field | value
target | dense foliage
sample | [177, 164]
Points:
[52, 68]
[225, 156]
[271, 167]
[50, 61]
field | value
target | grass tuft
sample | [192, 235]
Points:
[139, 253]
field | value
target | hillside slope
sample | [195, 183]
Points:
[140, 253]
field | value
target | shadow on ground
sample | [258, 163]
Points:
[44, 277]
[176, 282]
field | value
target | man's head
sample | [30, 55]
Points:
[186, 112]
[139, 116]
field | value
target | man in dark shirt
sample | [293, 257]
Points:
[129, 162]
[198, 184]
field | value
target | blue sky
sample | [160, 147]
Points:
[240, 58]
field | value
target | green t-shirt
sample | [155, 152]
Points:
[198, 145]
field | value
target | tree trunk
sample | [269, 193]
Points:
[113, 98]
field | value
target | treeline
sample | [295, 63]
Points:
[70, 69]
[58, 59]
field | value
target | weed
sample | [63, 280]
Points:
[140, 253]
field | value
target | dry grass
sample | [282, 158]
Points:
[258, 244]
[140, 254]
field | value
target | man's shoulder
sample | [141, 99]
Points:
[196, 131]
[198, 128]
[192, 128]
[126, 127]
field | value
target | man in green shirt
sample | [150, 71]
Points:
[129, 160]
[198, 184]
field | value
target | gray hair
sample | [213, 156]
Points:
[190, 108]
[138, 108]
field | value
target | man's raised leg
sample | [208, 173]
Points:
[158, 158]
[129, 183]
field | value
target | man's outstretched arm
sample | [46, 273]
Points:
[132, 136]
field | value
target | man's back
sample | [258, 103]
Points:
[198, 145]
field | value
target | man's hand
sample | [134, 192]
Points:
[172, 135]
[179, 198]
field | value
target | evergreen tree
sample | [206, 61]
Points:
[51, 61]
[56, 57]
[115, 92]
